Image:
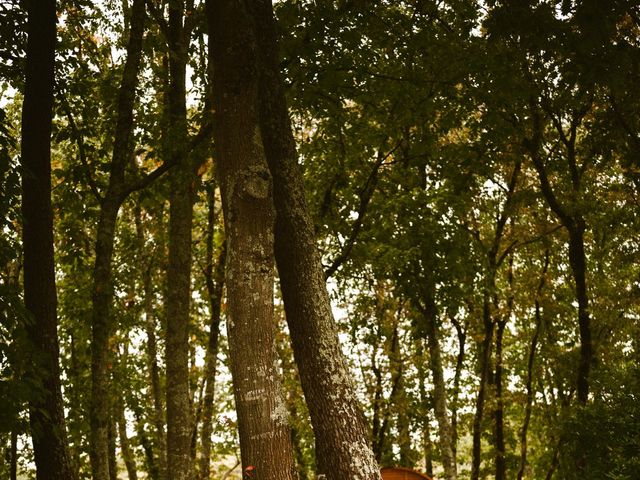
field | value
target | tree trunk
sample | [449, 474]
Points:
[485, 365]
[576, 226]
[157, 416]
[215, 284]
[499, 409]
[265, 441]
[427, 444]
[343, 447]
[13, 456]
[181, 197]
[111, 436]
[46, 412]
[102, 293]
[125, 446]
[455, 396]
[430, 329]
[577, 260]
[530, 363]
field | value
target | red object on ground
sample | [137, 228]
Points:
[399, 473]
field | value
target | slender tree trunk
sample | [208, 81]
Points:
[181, 197]
[455, 396]
[125, 446]
[485, 366]
[265, 439]
[214, 277]
[431, 330]
[46, 413]
[13, 455]
[577, 260]
[102, 294]
[157, 416]
[499, 409]
[342, 447]
[530, 364]
[111, 438]
[427, 444]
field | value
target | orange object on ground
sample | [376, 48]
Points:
[399, 473]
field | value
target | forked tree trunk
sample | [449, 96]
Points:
[343, 447]
[102, 293]
[46, 413]
[265, 440]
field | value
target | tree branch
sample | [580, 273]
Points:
[365, 198]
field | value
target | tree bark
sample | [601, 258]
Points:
[343, 447]
[181, 197]
[265, 441]
[46, 412]
[125, 446]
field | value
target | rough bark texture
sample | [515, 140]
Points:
[265, 441]
[102, 294]
[46, 414]
[343, 447]
[182, 178]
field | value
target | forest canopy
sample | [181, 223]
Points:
[316, 238]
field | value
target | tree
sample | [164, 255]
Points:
[47, 420]
[246, 188]
[343, 449]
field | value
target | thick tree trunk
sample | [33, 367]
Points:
[342, 439]
[265, 440]
[46, 413]
[102, 293]
[181, 197]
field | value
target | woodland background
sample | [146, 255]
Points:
[472, 171]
